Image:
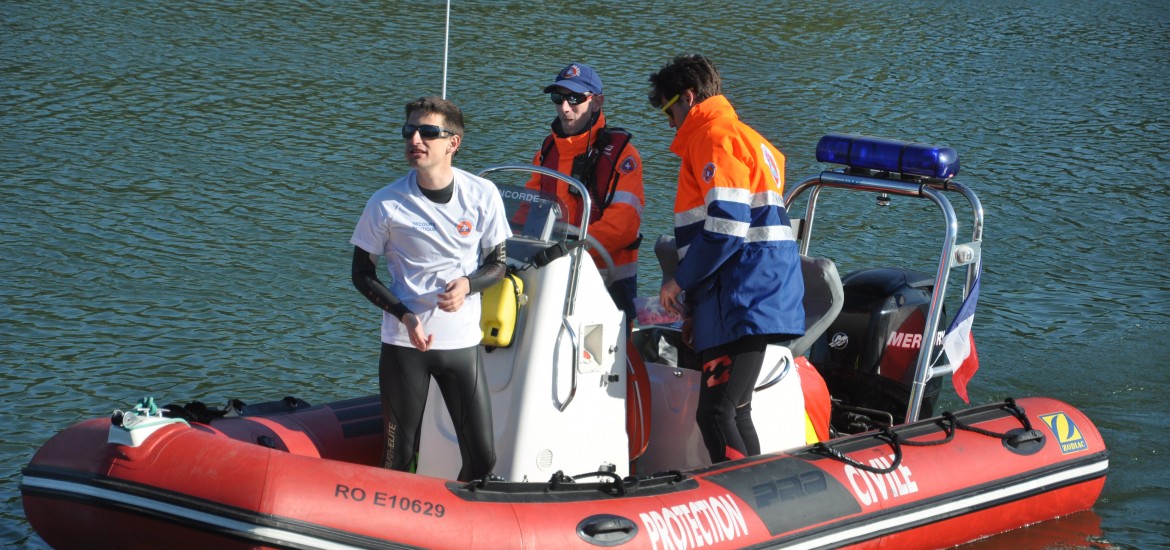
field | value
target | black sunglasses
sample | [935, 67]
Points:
[573, 99]
[427, 131]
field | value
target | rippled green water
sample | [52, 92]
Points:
[180, 180]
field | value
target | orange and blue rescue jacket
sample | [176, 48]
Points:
[738, 261]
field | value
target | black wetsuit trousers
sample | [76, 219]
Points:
[404, 374]
[725, 398]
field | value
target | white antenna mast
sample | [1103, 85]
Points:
[446, 41]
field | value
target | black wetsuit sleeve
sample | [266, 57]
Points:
[495, 265]
[365, 278]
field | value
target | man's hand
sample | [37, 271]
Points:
[668, 297]
[418, 335]
[451, 300]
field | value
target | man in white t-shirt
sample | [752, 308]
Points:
[442, 232]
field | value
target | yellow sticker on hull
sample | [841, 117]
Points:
[1068, 435]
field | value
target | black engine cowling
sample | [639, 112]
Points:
[868, 354]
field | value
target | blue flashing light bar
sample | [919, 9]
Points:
[888, 155]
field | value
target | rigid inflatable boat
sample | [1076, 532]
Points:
[595, 436]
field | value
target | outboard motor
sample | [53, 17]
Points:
[868, 354]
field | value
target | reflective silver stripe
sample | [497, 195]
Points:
[729, 194]
[620, 272]
[626, 197]
[767, 198]
[748, 233]
[753, 201]
[731, 227]
[770, 233]
[726, 227]
[687, 217]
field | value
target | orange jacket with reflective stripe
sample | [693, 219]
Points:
[620, 222]
[738, 261]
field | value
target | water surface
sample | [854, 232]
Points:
[180, 180]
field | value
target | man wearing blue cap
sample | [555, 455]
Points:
[603, 159]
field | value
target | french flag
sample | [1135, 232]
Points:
[959, 344]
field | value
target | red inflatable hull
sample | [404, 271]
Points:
[303, 479]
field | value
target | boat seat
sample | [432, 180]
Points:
[823, 293]
[823, 298]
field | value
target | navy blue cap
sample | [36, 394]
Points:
[577, 77]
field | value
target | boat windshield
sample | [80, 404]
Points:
[534, 214]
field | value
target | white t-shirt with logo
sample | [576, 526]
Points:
[428, 244]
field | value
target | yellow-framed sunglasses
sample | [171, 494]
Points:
[665, 107]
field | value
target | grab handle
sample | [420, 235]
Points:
[575, 340]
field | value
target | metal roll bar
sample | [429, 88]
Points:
[951, 255]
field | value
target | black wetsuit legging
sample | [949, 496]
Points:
[725, 398]
[404, 374]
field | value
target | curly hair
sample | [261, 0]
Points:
[685, 72]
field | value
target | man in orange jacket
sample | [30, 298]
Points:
[602, 158]
[739, 264]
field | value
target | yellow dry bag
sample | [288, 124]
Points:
[501, 306]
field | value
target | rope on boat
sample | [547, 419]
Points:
[613, 484]
[1013, 438]
[949, 423]
[1011, 406]
[199, 412]
[886, 434]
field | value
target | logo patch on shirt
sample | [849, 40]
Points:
[628, 165]
[771, 161]
[463, 227]
[709, 172]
